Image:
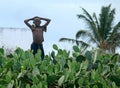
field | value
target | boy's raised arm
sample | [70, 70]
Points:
[26, 21]
[46, 19]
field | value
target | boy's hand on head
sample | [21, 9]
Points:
[36, 17]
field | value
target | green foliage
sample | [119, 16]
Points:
[59, 70]
[76, 49]
[1, 51]
[55, 47]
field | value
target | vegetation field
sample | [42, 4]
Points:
[59, 69]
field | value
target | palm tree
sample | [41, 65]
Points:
[101, 30]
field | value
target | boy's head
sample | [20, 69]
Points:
[37, 21]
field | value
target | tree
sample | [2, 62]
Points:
[101, 30]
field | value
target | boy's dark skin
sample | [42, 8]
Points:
[37, 31]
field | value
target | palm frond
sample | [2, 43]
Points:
[114, 42]
[87, 15]
[80, 16]
[82, 33]
[106, 21]
[84, 44]
[96, 21]
[114, 33]
[96, 33]
[91, 23]
[116, 28]
[73, 41]
[85, 33]
[67, 40]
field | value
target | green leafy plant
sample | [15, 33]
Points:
[24, 70]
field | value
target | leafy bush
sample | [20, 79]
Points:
[58, 70]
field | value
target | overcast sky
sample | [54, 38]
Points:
[64, 22]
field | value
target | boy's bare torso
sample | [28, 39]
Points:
[38, 35]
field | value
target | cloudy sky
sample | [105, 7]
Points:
[64, 22]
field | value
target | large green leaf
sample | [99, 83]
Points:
[28, 86]
[51, 79]
[55, 47]
[115, 58]
[9, 63]
[57, 68]
[3, 82]
[35, 71]
[88, 55]
[9, 76]
[1, 60]
[60, 52]
[11, 84]
[116, 79]
[61, 80]
[1, 51]
[76, 49]
[50, 69]
[80, 58]
[35, 80]
[21, 74]
[16, 66]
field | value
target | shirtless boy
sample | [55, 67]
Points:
[37, 31]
